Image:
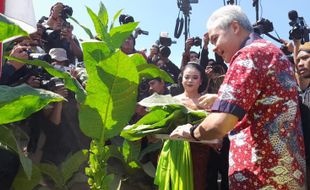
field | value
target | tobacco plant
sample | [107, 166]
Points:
[110, 97]
[112, 89]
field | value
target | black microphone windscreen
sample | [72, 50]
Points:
[292, 15]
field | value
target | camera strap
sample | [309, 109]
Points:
[178, 26]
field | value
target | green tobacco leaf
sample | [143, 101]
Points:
[90, 120]
[160, 100]
[8, 139]
[95, 52]
[150, 71]
[21, 181]
[116, 16]
[17, 103]
[112, 91]
[120, 78]
[100, 28]
[70, 83]
[72, 165]
[8, 29]
[103, 15]
[131, 150]
[167, 124]
[53, 172]
[120, 33]
[195, 117]
[87, 30]
[138, 59]
[163, 117]
[149, 169]
[156, 115]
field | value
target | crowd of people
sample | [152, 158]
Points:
[53, 132]
[258, 99]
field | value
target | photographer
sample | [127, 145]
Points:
[58, 32]
[160, 53]
[154, 54]
[10, 67]
[63, 135]
[190, 56]
[9, 161]
[165, 64]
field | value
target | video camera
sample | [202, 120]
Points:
[263, 26]
[125, 19]
[164, 42]
[299, 29]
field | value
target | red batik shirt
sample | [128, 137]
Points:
[267, 147]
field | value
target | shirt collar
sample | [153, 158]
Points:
[250, 39]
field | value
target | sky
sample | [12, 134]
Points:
[158, 16]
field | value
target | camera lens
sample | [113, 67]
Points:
[197, 41]
[165, 51]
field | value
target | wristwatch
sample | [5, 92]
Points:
[191, 131]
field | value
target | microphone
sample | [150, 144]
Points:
[292, 15]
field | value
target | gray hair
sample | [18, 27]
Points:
[222, 18]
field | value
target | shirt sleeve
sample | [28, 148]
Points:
[241, 85]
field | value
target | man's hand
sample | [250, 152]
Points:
[154, 50]
[205, 40]
[61, 90]
[288, 44]
[33, 82]
[66, 32]
[19, 52]
[182, 131]
[189, 43]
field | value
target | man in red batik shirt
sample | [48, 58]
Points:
[257, 105]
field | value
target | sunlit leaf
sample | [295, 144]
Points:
[159, 100]
[87, 30]
[101, 29]
[8, 29]
[120, 33]
[116, 16]
[151, 71]
[17, 103]
[103, 15]
[131, 150]
[112, 89]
